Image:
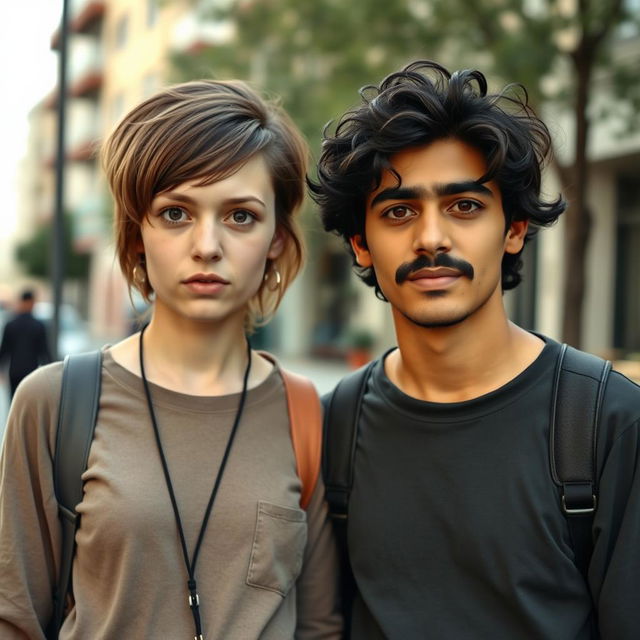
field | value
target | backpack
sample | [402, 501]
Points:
[578, 387]
[78, 412]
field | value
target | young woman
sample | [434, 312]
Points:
[206, 178]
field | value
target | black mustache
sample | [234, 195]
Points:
[440, 260]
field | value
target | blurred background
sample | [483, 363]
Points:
[86, 62]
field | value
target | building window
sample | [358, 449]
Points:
[627, 305]
[122, 28]
[628, 28]
[152, 12]
[117, 108]
[150, 84]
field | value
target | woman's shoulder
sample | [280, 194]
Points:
[41, 384]
[34, 408]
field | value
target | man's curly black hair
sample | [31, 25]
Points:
[414, 107]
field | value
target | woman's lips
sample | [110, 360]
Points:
[205, 283]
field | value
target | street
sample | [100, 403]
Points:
[4, 406]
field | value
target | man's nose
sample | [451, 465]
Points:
[431, 233]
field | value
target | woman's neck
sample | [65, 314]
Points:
[195, 358]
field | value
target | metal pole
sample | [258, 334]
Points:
[58, 266]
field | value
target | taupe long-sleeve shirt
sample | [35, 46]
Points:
[266, 568]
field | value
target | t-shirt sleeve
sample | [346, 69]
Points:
[614, 571]
[30, 535]
[318, 606]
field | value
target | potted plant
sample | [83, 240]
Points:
[360, 343]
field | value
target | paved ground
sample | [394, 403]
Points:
[324, 373]
[4, 407]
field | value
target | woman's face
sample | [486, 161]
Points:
[206, 246]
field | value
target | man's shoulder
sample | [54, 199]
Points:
[622, 398]
[621, 395]
[351, 384]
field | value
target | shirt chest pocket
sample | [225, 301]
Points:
[278, 547]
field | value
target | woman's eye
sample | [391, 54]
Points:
[242, 217]
[398, 213]
[466, 206]
[174, 214]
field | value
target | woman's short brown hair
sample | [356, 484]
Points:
[205, 130]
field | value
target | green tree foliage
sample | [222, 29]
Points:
[35, 254]
[316, 54]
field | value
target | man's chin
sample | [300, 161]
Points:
[439, 322]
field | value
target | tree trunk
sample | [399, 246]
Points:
[578, 220]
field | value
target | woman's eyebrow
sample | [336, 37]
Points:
[181, 197]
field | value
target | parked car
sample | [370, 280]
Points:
[74, 335]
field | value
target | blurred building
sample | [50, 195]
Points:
[611, 316]
[119, 53]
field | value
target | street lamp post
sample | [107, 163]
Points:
[57, 261]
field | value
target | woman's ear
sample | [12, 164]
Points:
[514, 240]
[277, 244]
[363, 257]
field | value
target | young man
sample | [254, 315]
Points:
[455, 526]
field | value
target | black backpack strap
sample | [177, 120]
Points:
[341, 422]
[341, 417]
[79, 401]
[579, 385]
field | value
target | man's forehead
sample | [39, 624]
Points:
[440, 168]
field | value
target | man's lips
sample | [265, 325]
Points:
[434, 279]
[433, 273]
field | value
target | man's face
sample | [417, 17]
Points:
[436, 241]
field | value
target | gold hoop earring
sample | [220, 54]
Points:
[277, 276]
[139, 275]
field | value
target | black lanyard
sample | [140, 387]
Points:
[194, 599]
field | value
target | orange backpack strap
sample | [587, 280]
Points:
[305, 421]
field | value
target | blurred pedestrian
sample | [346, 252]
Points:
[194, 521]
[24, 342]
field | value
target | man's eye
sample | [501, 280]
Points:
[174, 214]
[242, 217]
[398, 213]
[466, 206]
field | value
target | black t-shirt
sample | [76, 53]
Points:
[455, 526]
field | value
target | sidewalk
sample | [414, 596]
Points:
[4, 407]
[324, 373]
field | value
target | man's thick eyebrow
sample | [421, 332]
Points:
[466, 186]
[398, 193]
[447, 189]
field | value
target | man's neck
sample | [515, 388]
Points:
[462, 362]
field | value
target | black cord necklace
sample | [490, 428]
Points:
[194, 599]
